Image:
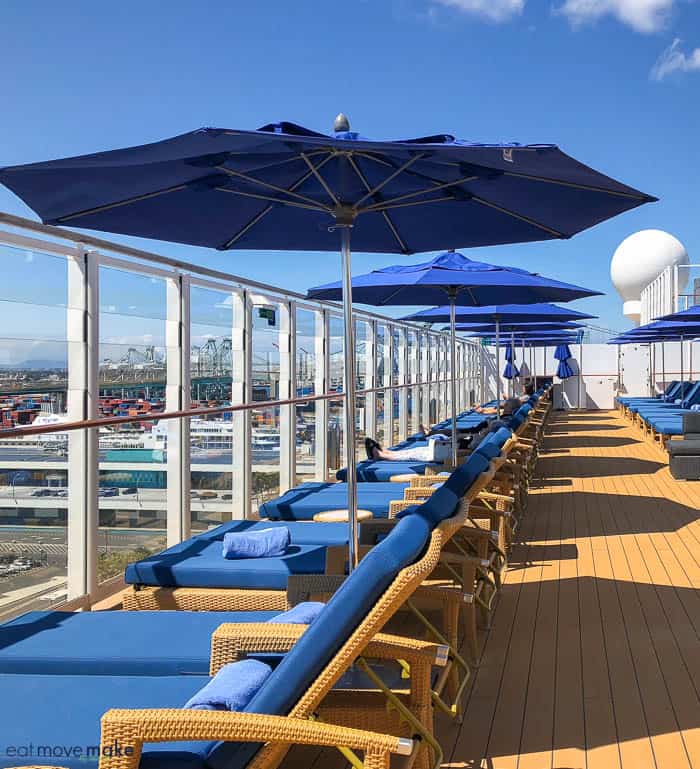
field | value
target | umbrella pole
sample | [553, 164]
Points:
[682, 382]
[453, 369]
[498, 372]
[512, 373]
[663, 364]
[533, 357]
[482, 388]
[349, 353]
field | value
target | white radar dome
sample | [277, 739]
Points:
[641, 258]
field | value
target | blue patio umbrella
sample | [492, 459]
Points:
[462, 281]
[665, 331]
[690, 315]
[511, 370]
[517, 327]
[563, 354]
[501, 313]
[290, 188]
[564, 370]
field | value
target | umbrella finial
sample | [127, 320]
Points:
[341, 123]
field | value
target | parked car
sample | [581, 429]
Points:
[108, 492]
[227, 495]
[41, 493]
[130, 490]
[208, 495]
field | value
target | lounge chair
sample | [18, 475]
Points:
[65, 709]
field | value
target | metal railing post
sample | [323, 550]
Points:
[177, 398]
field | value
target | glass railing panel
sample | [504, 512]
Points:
[33, 469]
[211, 437]
[132, 380]
[266, 446]
[306, 367]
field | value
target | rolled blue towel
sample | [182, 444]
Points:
[264, 543]
[232, 688]
[302, 614]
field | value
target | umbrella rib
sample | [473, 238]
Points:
[321, 180]
[533, 177]
[267, 185]
[577, 186]
[257, 196]
[385, 215]
[119, 203]
[521, 217]
[259, 216]
[371, 191]
[390, 203]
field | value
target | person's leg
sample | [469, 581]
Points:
[419, 454]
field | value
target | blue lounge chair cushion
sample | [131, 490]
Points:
[62, 713]
[334, 625]
[152, 643]
[308, 499]
[199, 564]
[232, 688]
[303, 613]
[465, 475]
[262, 543]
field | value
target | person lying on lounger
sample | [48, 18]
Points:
[528, 391]
[439, 444]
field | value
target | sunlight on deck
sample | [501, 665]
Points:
[593, 657]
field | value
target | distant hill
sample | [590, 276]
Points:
[35, 364]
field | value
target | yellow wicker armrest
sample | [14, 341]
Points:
[132, 728]
[386, 646]
[370, 530]
[398, 506]
[230, 641]
[418, 494]
[312, 587]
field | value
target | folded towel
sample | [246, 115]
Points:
[302, 614]
[265, 543]
[232, 688]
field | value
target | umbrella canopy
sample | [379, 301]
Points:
[562, 352]
[501, 313]
[281, 186]
[290, 188]
[564, 370]
[517, 327]
[692, 314]
[659, 330]
[461, 281]
[452, 276]
[511, 371]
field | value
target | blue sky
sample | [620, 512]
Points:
[616, 83]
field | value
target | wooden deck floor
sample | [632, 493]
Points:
[593, 657]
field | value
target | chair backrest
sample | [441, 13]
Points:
[333, 627]
[491, 446]
[671, 388]
[691, 395]
[691, 425]
[464, 476]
